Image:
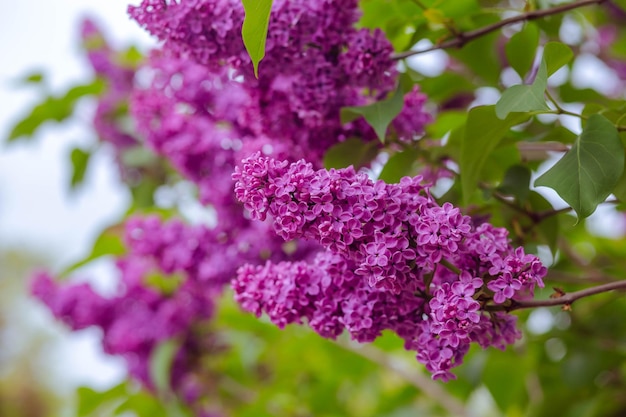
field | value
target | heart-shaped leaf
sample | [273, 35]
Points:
[524, 98]
[586, 175]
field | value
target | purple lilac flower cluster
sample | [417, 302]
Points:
[204, 110]
[169, 282]
[119, 77]
[393, 239]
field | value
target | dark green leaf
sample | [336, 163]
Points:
[549, 227]
[80, 161]
[508, 392]
[353, 152]
[556, 54]
[587, 174]
[524, 98]
[522, 47]
[620, 188]
[483, 132]
[379, 115]
[398, 166]
[480, 55]
[516, 182]
[254, 30]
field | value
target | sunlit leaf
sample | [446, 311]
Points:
[53, 108]
[254, 30]
[556, 54]
[109, 242]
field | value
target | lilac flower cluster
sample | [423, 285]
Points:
[119, 78]
[396, 239]
[169, 282]
[204, 110]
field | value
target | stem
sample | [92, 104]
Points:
[559, 298]
[561, 111]
[463, 38]
[450, 266]
[430, 388]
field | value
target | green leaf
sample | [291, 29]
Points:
[379, 115]
[524, 98]
[549, 227]
[507, 392]
[516, 182]
[80, 161]
[53, 109]
[254, 29]
[161, 361]
[164, 283]
[109, 242]
[90, 400]
[620, 188]
[35, 77]
[353, 152]
[398, 166]
[483, 132]
[138, 156]
[521, 49]
[556, 54]
[587, 173]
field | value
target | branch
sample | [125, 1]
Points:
[462, 38]
[560, 298]
[433, 390]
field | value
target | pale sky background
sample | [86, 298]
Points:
[37, 212]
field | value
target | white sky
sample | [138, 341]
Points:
[37, 211]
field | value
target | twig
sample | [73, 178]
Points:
[433, 390]
[462, 38]
[560, 298]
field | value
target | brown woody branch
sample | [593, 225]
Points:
[559, 298]
[462, 38]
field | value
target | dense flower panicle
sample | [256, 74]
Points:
[328, 294]
[316, 63]
[169, 279]
[201, 107]
[410, 123]
[399, 245]
[110, 121]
